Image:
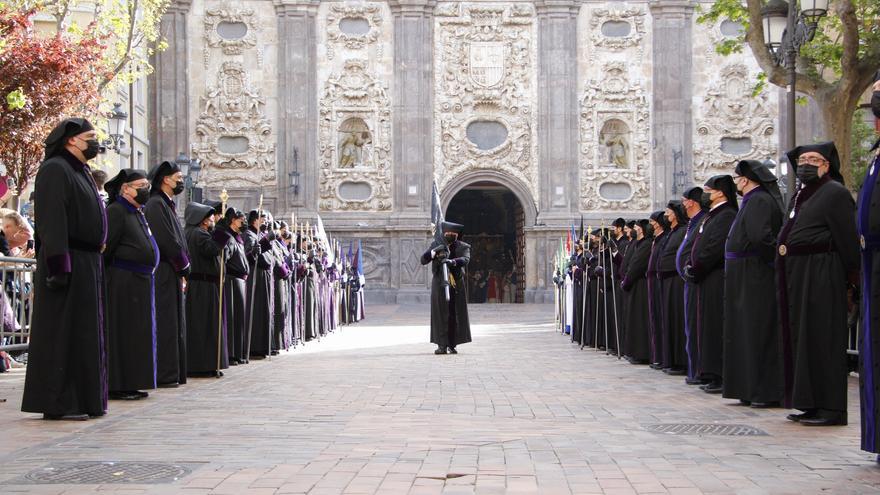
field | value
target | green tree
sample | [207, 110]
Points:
[835, 68]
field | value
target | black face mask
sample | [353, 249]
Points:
[706, 198]
[93, 147]
[807, 173]
[450, 238]
[142, 195]
[875, 104]
[178, 188]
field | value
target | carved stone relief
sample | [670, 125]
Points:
[615, 142]
[233, 136]
[338, 13]
[635, 17]
[354, 138]
[729, 111]
[485, 57]
[241, 23]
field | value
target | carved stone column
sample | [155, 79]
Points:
[298, 103]
[413, 110]
[557, 109]
[673, 73]
[168, 87]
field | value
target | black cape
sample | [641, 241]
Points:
[450, 325]
[67, 359]
[655, 296]
[811, 291]
[707, 272]
[672, 353]
[752, 357]
[131, 258]
[235, 292]
[173, 265]
[635, 284]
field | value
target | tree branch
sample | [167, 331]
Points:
[126, 57]
[849, 25]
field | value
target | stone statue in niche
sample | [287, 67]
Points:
[615, 138]
[355, 144]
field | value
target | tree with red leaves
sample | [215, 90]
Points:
[43, 79]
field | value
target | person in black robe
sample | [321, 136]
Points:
[706, 271]
[235, 284]
[635, 285]
[260, 287]
[282, 333]
[692, 202]
[450, 326]
[818, 252]
[622, 259]
[131, 258]
[166, 182]
[752, 357]
[577, 265]
[869, 343]
[603, 316]
[67, 360]
[660, 226]
[673, 359]
[206, 332]
[618, 244]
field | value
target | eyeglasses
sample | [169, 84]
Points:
[811, 161]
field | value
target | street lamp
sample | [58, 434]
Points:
[786, 31]
[116, 128]
[190, 168]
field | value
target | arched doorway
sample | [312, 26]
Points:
[493, 220]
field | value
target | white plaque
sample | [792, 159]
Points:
[486, 63]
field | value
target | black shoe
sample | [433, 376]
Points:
[244, 361]
[66, 417]
[440, 350]
[693, 381]
[124, 395]
[743, 403]
[656, 366]
[168, 385]
[810, 414]
[826, 418]
[452, 350]
[766, 405]
[257, 356]
[675, 372]
[143, 395]
[713, 388]
[274, 353]
[233, 362]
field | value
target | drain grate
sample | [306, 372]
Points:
[94, 473]
[705, 429]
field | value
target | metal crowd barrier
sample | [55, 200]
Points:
[16, 301]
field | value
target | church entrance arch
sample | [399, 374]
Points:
[494, 218]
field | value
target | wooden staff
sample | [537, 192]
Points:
[224, 197]
[253, 288]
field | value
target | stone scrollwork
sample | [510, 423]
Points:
[635, 17]
[355, 140]
[233, 136]
[371, 14]
[729, 111]
[485, 66]
[614, 142]
[245, 32]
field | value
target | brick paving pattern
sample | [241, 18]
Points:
[370, 410]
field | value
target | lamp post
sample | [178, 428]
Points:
[190, 168]
[787, 29]
[116, 128]
[293, 176]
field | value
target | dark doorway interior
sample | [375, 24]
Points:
[493, 221]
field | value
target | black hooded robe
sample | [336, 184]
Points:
[655, 295]
[821, 247]
[260, 294]
[578, 265]
[450, 325]
[672, 353]
[67, 355]
[282, 331]
[752, 357]
[131, 257]
[691, 291]
[203, 319]
[235, 290]
[707, 272]
[638, 340]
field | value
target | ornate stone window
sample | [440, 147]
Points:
[486, 134]
[230, 29]
[617, 29]
[353, 26]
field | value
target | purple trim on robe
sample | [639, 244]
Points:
[692, 224]
[179, 261]
[869, 421]
[58, 264]
[220, 238]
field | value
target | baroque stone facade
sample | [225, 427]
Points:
[351, 109]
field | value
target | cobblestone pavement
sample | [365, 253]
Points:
[370, 409]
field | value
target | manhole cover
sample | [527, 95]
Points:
[93, 473]
[705, 429]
